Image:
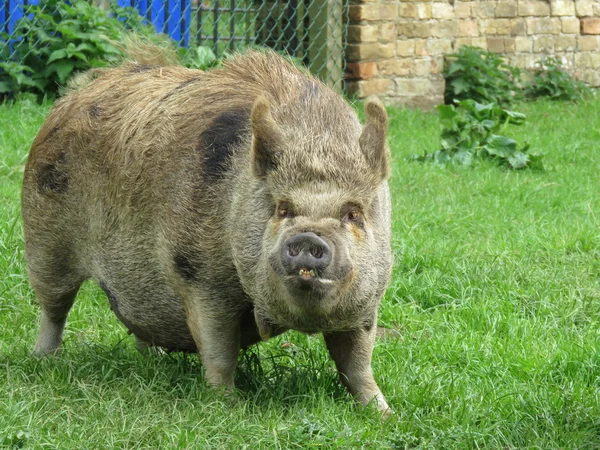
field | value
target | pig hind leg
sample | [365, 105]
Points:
[55, 285]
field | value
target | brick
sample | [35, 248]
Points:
[462, 10]
[414, 29]
[414, 86]
[495, 44]
[518, 27]
[583, 8]
[362, 52]
[362, 33]
[442, 10]
[562, 7]
[468, 28]
[364, 88]
[405, 48]
[506, 9]
[371, 11]
[397, 67]
[596, 8]
[445, 28]
[534, 8]
[589, 60]
[423, 67]
[485, 9]
[421, 47]
[361, 70]
[407, 10]
[570, 25]
[543, 44]
[509, 45]
[424, 11]
[590, 25]
[523, 44]
[437, 65]
[480, 42]
[543, 26]
[387, 32]
[565, 43]
[587, 43]
[438, 46]
[461, 42]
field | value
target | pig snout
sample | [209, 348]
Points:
[305, 255]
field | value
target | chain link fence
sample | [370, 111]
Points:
[310, 31]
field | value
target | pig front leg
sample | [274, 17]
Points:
[217, 337]
[351, 351]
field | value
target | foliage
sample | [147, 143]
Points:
[481, 76]
[197, 57]
[552, 81]
[55, 39]
[474, 131]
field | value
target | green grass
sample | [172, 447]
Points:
[495, 295]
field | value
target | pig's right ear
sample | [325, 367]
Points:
[266, 138]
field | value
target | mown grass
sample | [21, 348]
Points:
[495, 299]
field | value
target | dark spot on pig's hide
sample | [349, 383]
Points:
[180, 87]
[52, 132]
[52, 176]
[219, 140]
[114, 306]
[186, 265]
[95, 111]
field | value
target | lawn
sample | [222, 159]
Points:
[494, 303]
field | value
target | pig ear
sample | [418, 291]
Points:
[373, 138]
[266, 138]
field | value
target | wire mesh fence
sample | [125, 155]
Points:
[311, 31]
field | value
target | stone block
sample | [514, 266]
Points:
[438, 46]
[587, 43]
[462, 10]
[543, 44]
[562, 7]
[485, 9]
[371, 51]
[414, 29]
[405, 47]
[565, 43]
[468, 28]
[424, 11]
[537, 26]
[443, 28]
[523, 44]
[442, 10]
[407, 10]
[372, 11]
[364, 88]
[518, 27]
[423, 67]
[506, 9]
[534, 8]
[362, 33]
[421, 47]
[510, 45]
[387, 32]
[361, 70]
[590, 25]
[495, 44]
[583, 8]
[480, 42]
[570, 25]
[404, 67]
[413, 86]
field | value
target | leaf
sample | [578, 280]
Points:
[5, 87]
[501, 146]
[63, 69]
[57, 54]
[518, 160]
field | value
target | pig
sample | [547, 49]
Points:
[215, 209]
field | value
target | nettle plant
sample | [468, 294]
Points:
[550, 80]
[473, 132]
[482, 76]
[55, 39]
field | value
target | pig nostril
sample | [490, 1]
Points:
[317, 252]
[293, 251]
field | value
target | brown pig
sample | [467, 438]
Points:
[215, 209]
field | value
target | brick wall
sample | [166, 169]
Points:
[396, 48]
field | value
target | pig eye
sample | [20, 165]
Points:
[354, 215]
[284, 210]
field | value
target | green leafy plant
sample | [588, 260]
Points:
[552, 81]
[473, 131]
[198, 57]
[55, 39]
[481, 76]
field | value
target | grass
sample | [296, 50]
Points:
[495, 296]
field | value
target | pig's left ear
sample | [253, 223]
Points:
[373, 138]
[266, 138]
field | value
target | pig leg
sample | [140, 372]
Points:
[55, 304]
[351, 351]
[217, 337]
